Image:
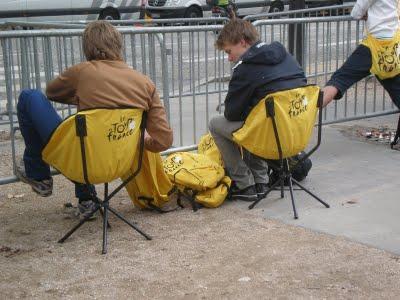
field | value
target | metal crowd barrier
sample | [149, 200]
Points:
[190, 75]
[327, 11]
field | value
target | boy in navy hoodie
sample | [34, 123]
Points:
[259, 69]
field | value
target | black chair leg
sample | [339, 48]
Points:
[251, 206]
[105, 226]
[102, 215]
[69, 233]
[292, 197]
[129, 223]
[309, 192]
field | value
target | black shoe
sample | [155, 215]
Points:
[247, 194]
[261, 189]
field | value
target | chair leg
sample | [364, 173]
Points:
[105, 226]
[292, 197]
[309, 192]
[129, 223]
[251, 206]
[102, 215]
[69, 233]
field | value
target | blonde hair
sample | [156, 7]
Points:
[235, 31]
[101, 41]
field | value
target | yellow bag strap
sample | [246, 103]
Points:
[149, 202]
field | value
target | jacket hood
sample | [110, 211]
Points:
[261, 53]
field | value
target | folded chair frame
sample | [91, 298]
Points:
[103, 205]
[283, 169]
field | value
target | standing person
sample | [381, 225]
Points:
[103, 81]
[379, 52]
[260, 69]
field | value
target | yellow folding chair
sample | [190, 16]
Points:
[282, 124]
[98, 146]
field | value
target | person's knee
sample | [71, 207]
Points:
[215, 124]
[27, 96]
[211, 125]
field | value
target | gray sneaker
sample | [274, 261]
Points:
[43, 187]
[85, 208]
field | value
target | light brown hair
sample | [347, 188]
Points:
[101, 41]
[235, 31]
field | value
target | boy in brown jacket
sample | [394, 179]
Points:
[105, 81]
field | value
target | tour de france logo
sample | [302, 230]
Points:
[389, 58]
[173, 163]
[298, 105]
[207, 144]
[122, 129]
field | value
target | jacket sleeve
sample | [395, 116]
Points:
[361, 7]
[238, 97]
[62, 89]
[160, 136]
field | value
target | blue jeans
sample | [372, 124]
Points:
[37, 121]
[355, 68]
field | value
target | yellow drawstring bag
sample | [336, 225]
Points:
[208, 147]
[151, 188]
[198, 177]
[295, 113]
[194, 171]
[385, 55]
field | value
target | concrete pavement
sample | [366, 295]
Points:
[358, 179]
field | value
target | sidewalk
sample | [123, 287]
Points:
[359, 179]
[346, 251]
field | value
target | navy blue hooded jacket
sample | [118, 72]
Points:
[261, 70]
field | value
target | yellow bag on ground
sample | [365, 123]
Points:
[295, 113]
[151, 187]
[194, 171]
[208, 147]
[385, 55]
[198, 178]
[213, 198]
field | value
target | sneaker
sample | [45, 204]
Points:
[43, 187]
[85, 208]
[247, 194]
[261, 189]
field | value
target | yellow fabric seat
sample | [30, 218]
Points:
[295, 113]
[98, 146]
[111, 141]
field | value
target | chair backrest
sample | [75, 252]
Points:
[107, 139]
[294, 112]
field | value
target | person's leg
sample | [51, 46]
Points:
[221, 129]
[85, 194]
[355, 68]
[257, 165]
[392, 86]
[259, 168]
[37, 120]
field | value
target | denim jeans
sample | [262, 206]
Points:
[37, 121]
[355, 68]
